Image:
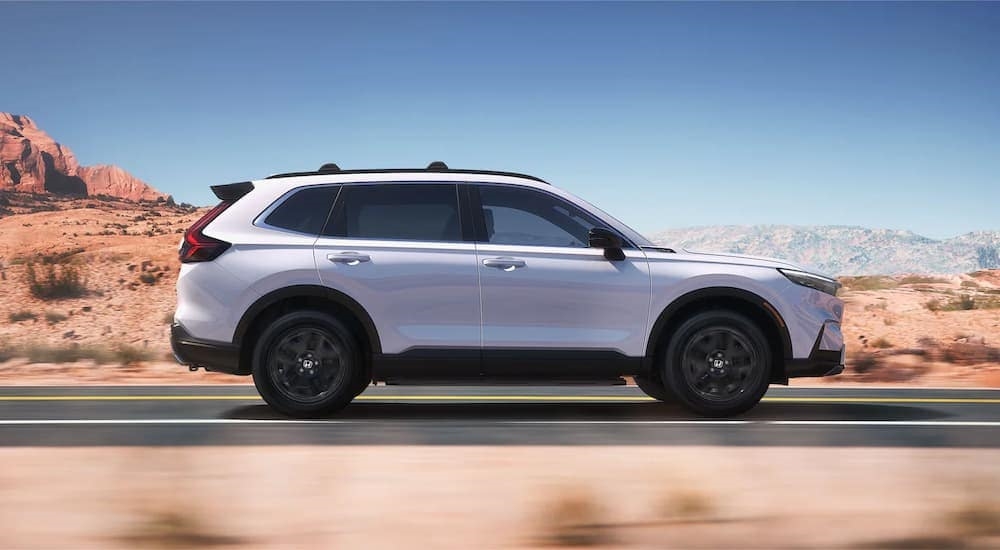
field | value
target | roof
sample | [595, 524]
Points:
[434, 167]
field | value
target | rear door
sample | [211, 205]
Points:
[399, 250]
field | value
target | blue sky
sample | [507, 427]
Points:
[666, 115]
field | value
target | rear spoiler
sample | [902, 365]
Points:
[232, 191]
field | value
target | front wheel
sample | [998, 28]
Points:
[307, 364]
[717, 363]
[652, 387]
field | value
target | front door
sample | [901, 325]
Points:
[551, 305]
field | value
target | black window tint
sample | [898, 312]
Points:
[529, 217]
[413, 212]
[305, 211]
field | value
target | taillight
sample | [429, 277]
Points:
[198, 247]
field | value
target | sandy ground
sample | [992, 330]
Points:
[489, 497]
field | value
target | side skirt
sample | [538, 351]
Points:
[505, 366]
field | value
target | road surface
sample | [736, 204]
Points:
[519, 415]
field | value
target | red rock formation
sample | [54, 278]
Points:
[32, 162]
[103, 179]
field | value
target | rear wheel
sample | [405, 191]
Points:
[307, 364]
[717, 363]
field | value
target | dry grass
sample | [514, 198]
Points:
[866, 282]
[122, 354]
[921, 279]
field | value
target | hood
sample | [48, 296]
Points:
[743, 259]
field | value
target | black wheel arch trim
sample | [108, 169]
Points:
[308, 291]
[669, 313]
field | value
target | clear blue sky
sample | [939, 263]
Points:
[666, 115]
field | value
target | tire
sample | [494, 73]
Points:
[717, 363]
[652, 387]
[307, 364]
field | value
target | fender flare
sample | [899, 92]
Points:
[308, 291]
[668, 314]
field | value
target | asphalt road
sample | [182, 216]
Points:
[519, 415]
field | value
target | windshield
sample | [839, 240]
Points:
[628, 232]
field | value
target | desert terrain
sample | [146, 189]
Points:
[113, 326]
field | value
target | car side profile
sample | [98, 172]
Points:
[319, 283]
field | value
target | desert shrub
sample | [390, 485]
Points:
[7, 352]
[55, 282]
[970, 284]
[687, 505]
[53, 317]
[865, 363]
[921, 279]
[23, 315]
[933, 305]
[129, 355]
[980, 518]
[147, 277]
[574, 518]
[880, 343]
[869, 282]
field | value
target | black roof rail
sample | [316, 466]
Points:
[436, 166]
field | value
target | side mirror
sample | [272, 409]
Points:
[600, 237]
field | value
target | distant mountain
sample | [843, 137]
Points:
[32, 162]
[839, 250]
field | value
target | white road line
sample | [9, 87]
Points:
[253, 421]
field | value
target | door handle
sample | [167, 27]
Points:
[349, 258]
[506, 264]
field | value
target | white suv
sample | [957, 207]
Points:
[319, 283]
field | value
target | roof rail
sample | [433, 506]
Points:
[436, 166]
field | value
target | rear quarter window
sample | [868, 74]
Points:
[305, 210]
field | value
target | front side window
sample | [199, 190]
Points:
[305, 211]
[412, 212]
[518, 216]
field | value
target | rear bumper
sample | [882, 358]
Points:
[212, 356]
[819, 363]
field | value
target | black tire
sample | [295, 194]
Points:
[652, 387]
[307, 364]
[717, 363]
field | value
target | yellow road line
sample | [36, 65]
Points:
[481, 398]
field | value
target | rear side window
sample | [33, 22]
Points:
[412, 212]
[305, 211]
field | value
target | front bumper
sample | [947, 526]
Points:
[212, 356]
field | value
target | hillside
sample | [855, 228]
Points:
[841, 250]
[32, 162]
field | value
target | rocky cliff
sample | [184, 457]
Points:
[32, 162]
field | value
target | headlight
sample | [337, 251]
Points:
[818, 282]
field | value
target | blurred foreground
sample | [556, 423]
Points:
[498, 497]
